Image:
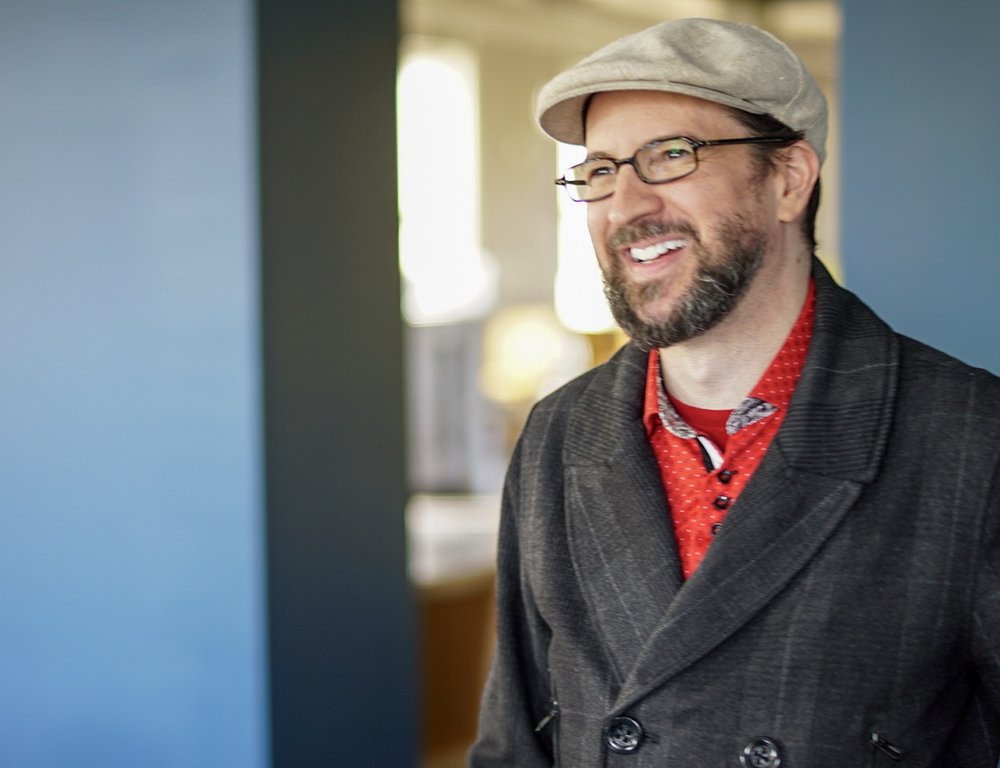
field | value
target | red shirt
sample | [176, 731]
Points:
[703, 479]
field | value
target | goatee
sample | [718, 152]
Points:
[719, 282]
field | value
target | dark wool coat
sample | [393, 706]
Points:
[847, 614]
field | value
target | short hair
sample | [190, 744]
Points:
[767, 125]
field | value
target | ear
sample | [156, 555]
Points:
[798, 172]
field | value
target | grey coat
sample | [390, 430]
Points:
[847, 613]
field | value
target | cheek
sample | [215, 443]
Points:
[597, 227]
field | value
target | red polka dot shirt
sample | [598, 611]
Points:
[707, 457]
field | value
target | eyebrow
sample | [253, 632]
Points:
[608, 156]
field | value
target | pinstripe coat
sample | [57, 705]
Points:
[847, 614]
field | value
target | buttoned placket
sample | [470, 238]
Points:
[703, 482]
[719, 480]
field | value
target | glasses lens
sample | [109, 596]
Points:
[666, 160]
[591, 180]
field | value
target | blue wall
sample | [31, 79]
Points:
[921, 179]
[130, 487]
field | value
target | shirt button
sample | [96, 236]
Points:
[716, 527]
[725, 476]
[722, 502]
[761, 753]
[624, 735]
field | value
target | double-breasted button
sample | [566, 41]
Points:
[624, 735]
[761, 753]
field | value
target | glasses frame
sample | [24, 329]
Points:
[695, 145]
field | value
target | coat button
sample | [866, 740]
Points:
[624, 735]
[761, 753]
[721, 502]
[725, 476]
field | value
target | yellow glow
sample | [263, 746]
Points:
[527, 353]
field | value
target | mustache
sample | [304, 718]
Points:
[633, 233]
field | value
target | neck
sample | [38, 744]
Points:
[719, 368]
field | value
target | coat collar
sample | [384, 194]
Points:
[651, 623]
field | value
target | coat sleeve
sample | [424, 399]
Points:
[983, 716]
[517, 696]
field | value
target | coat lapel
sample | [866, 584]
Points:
[780, 521]
[828, 448]
[617, 519]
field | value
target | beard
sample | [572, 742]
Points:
[720, 281]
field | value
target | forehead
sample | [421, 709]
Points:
[626, 119]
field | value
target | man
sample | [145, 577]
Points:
[766, 532]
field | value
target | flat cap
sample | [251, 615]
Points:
[733, 64]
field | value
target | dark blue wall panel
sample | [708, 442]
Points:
[342, 647]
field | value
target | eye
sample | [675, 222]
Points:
[666, 160]
[671, 150]
[595, 170]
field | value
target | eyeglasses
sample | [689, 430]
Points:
[657, 162]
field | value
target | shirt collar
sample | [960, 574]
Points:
[771, 393]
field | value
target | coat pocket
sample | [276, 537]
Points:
[550, 725]
[884, 752]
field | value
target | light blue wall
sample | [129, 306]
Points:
[130, 489]
[921, 175]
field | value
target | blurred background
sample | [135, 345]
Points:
[279, 282]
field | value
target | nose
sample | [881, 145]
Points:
[632, 199]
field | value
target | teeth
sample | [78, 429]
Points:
[656, 250]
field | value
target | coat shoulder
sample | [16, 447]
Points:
[936, 372]
[598, 403]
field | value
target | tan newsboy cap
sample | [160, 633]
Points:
[722, 61]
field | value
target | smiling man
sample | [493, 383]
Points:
[766, 532]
